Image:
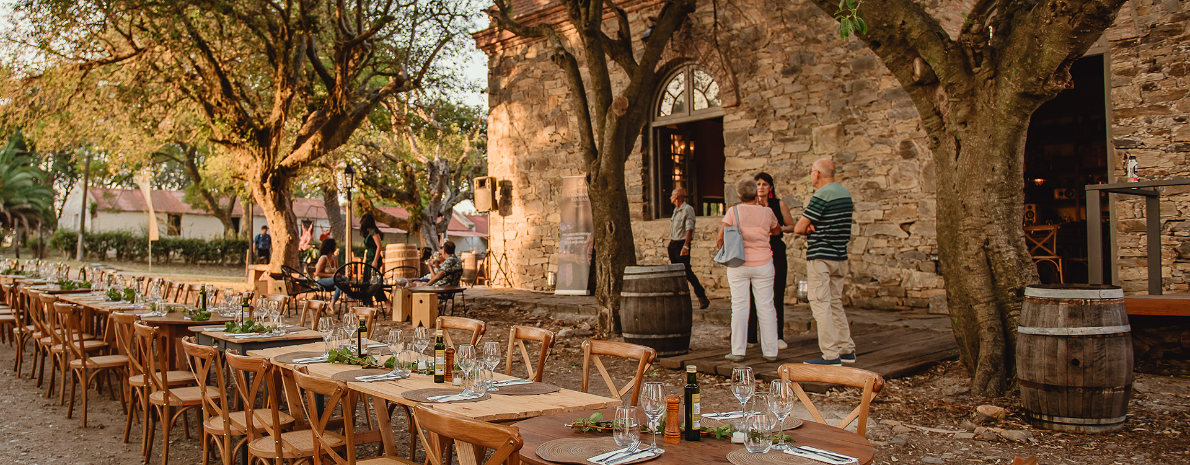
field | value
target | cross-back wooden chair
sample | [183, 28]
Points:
[23, 330]
[57, 351]
[41, 336]
[86, 368]
[190, 296]
[439, 430]
[310, 311]
[169, 403]
[516, 339]
[593, 349]
[169, 291]
[1042, 241]
[328, 443]
[476, 327]
[266, 426]
[870, 382]
[8, 319]
[368, 314]
[283, 301]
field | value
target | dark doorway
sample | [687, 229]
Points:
[1066, 149]
[690, 155]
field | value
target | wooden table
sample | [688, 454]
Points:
[224, 342]
[498, 408]
[537, 431]
[176, 326]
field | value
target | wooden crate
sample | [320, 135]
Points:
[402, 305]
[425, 309]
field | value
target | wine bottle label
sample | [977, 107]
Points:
[696, 410]
[439, 362]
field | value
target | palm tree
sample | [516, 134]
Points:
[24, 197]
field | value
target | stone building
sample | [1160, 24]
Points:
[781, 90]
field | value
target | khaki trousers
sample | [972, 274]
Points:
[825, 279]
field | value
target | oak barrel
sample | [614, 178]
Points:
[655, 309]
[397, 256]
[1074, 357]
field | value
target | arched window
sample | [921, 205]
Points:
[687, 146]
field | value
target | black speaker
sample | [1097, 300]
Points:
[1030, 213]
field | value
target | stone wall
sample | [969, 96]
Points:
[795, 92]
[1150, 83]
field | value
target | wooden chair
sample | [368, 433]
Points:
[192, 294]
[283, 302]
[516, 339]
[124, 335]
[85, 367]
[329, 443]
[439, 430]
[593, 348]
[368, 314]
[266, 426]
[447, 323]
[871, 383]
[57, 350]
[310, 311]
[170, 403]
[1042, 241]
[23, 331]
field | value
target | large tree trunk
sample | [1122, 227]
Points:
[613, 237]
[334, 213]
[273, 195]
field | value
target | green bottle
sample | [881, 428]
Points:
[202, 295]
[439, 359]
[361, 336]
[245, 310]
[693, 414]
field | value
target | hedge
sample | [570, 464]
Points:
[123, 245]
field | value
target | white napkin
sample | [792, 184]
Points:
[453, 397]
[318, 359]
[816, 456]
[512, 382]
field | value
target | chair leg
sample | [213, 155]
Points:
[49, 390]
[74, 380]
[166, 425]
[128, 418]
[150, 433]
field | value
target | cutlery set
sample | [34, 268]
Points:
[453, 397]
[380, 377]
[625, 455]
[820, 455]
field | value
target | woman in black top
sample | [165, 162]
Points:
[372, 244]
[766, 196]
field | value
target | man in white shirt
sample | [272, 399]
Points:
[681, 235]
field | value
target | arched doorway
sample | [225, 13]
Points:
[687, 142]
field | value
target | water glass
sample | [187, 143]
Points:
[652, 401]
[758, 433]
[625, 431]
[325, 328]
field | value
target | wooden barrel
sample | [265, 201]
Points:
[1074, 357]
[655, 308]
[397, 256]
[470, 267]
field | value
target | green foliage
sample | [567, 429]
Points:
[115, 295]
[849, 20]
[24, 195]
[198, 314]
[127, 246]
[69, 285]
[247, 326]
[345, 356]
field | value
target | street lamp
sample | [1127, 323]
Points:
[349, 179]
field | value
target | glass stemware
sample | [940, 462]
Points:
[491, 359]
[396, 344]
[465, 357]
[652, 401]
[781, 402]
[421, 340]
[325, 328]
[743, 385]
[625, 431]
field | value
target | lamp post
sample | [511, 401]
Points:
[349, 179]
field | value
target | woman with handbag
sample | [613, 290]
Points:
[744, 247]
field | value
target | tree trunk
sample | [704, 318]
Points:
[334, 213]
[83, 211]
[273, 195]
[427, 231]
[613, 237]
[246, 221]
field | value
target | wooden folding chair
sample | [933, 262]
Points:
[266, 426]
[516, 339]
[446, 323]
[310, 311]
[329, 443]
[472, 438]
[871, 383]
[593, 348]
[170, 403]
[84, 367]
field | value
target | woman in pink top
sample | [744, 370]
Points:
[755, 276]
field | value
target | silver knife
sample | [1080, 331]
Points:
[639, 454]
[814, 456]
[627, 453]
[828, 453]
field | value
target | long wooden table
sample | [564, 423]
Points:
[538, 430]
[498, 408]
[223, 341]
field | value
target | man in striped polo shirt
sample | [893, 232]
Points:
[826, 222]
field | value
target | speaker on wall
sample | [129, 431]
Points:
[485, 194]
[1030, 214]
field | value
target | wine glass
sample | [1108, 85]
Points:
[465, 357]
[743, 385]
[396, 344]
[624, 429]
[652, 401]
[325, 328]
[781, 401]
[421, 340]
[491, 358]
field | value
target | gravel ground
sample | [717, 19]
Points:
[928, 418]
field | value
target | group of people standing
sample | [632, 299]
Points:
[758, 285]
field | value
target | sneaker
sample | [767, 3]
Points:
[847, 358]
[734, 358]
[821, 361]
[782, 345]
[770, 359]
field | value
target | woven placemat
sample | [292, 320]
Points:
[289, 358]
[790, 423]
[741, 456]
[578, 450]
[351, 374]
[526, 389]
[423, 395]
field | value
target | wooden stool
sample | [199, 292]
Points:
[402, 305]
[425, 309]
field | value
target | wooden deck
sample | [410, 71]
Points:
[893, 352]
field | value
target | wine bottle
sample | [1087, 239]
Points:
[439, 359]
[202, 294]
[362, 337]
[245, 310]
[693, 413]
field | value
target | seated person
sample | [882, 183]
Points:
[324, 271]
[451, 265]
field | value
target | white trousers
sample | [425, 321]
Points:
[825, 278]
[759, 281]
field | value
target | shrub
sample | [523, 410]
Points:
[127, 246]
